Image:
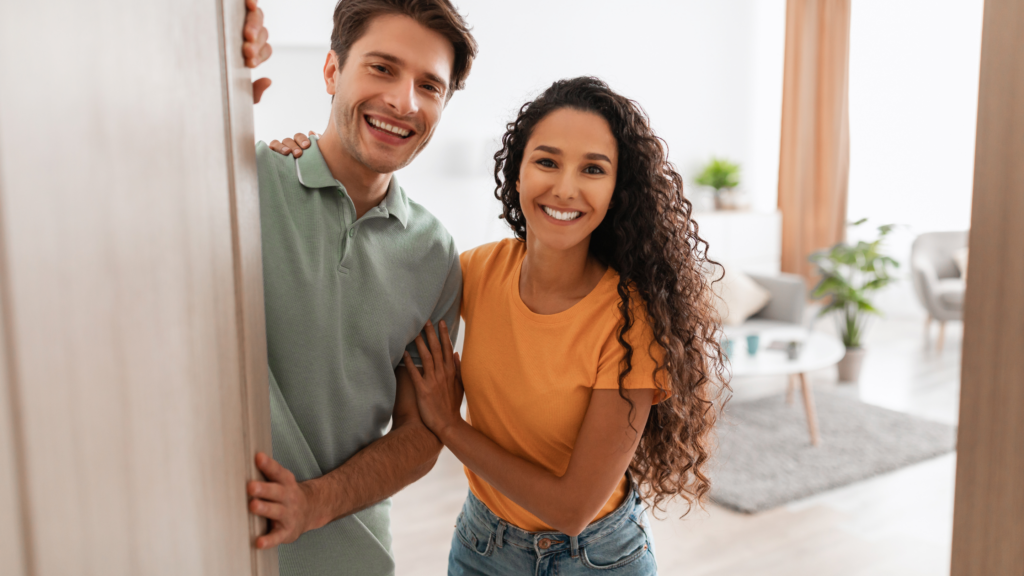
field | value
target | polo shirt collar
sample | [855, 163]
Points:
[312, 170]
[395, 203]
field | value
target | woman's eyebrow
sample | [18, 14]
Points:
[589, 156]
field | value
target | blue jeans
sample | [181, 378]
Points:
[485, 545]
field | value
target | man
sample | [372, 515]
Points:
[353, 270]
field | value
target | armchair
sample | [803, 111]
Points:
[937, 281]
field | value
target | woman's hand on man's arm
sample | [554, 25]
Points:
[439, 388]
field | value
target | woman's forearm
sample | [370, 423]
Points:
[565, 504]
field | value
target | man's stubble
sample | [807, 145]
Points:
[348, 124]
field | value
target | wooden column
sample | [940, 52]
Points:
[133, 377]
[239, 136]
[988, 524]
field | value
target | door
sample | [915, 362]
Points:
[132, 353]
[988, 520]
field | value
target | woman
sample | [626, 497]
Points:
[590, 347]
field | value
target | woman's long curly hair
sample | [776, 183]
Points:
[649, 237]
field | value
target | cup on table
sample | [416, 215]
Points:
[753, 341]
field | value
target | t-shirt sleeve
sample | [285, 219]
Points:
[465, 262]
[448, 303]
[647, 355]
[474, 270]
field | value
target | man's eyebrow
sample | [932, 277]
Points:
[589, 156]
[436, 80]
[385, 56]
[399, 62]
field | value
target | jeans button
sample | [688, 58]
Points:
[544, 543]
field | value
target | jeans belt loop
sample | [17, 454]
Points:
[574, 543]
[500, 536]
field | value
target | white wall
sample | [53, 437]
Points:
[708, 73]
[767, 51]
[710, 76]
[913, 106]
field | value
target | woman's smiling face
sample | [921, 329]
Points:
[567, 177]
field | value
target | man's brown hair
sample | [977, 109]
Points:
[351, 18]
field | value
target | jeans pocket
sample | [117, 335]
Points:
[472, 537]
[627, 545]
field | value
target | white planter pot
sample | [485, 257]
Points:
[849, 366]
[731, 199]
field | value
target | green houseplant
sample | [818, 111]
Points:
[721, 175]
[850, 274]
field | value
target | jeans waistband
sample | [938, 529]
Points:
[478, 514]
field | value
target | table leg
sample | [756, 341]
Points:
[812, 414]
[790, 388]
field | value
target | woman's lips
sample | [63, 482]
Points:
[562, 217]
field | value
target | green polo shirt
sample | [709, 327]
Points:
[344, 299]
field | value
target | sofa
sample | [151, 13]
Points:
[788, 301]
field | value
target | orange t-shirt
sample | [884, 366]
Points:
[529, 376]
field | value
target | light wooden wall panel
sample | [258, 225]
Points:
[127, 224]
[12, 518]
[988, 526]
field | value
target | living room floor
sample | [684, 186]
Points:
[897, 523]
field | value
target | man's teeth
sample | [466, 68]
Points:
[561, 215]
[388, 127]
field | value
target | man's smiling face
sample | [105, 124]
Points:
[390, 92]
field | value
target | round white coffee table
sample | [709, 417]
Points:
[816, 351]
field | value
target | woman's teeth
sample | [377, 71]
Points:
[387, 127]
[561, 215]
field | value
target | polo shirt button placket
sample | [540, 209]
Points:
[346, 249]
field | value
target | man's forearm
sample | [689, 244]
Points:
[399, 458]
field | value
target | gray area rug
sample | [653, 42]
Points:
[765, 457]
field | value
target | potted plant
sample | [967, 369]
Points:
[850, 273]
[723, 176]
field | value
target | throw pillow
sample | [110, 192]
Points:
[738, 297]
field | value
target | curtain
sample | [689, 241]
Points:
[814, 159]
